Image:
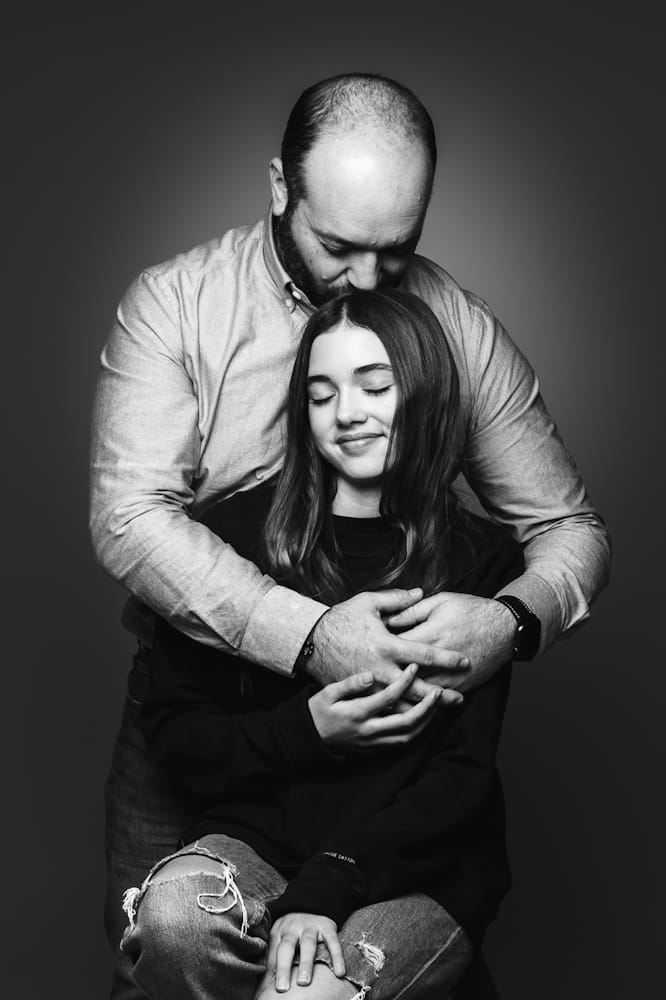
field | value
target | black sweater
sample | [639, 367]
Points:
[345, 828]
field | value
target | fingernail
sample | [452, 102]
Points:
[282, 984]
[366, 678]
[464, 662]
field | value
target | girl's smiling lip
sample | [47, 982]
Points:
[357, 435]
[357, 441]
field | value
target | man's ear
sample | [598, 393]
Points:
[278, 186]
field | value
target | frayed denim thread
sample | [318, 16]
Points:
[133, 896]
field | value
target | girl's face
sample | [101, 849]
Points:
[352, 400]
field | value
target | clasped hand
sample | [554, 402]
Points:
[352, 637]
[350, 713]
[482, 628]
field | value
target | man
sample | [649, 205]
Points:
[190, 406]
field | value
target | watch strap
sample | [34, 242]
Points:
[308, 647]
[528, 627]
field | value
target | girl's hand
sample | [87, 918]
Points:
[301, 932]
[349, 714]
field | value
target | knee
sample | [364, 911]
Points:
[183, 917]
[324, 986]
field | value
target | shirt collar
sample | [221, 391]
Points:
[292, 295]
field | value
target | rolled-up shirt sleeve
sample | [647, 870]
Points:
[519, 467]
[146, 445]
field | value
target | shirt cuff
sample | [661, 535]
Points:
[278, 627]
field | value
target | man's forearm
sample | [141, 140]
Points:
[145, 457]
[203, 587]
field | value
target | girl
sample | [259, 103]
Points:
[345, 839]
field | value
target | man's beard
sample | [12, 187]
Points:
[295, 266]
[293, 262]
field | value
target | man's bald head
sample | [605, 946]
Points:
[348, 103]
[350, 192]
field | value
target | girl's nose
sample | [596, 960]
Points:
[350, 410]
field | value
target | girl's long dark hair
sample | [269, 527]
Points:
[422, 462]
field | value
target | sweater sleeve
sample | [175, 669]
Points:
[217, 726]
[413, 842]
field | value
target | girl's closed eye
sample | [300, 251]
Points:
[378, 391]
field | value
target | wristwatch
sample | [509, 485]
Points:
[528, 627]
[308, 647]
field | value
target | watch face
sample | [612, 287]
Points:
[528, 628]
[527, 638]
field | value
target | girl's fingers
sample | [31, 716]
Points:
[335, 951]
[381, 701]
[409, 722]
[307, 949]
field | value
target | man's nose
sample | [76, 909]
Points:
[365, 271]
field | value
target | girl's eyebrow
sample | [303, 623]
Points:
[377, 366]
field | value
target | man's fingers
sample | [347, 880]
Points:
[427, 655]
[389, 602]
[425, 632]
[413, 615]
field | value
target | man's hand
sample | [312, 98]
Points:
[352, 638]
[301, 932]
[346, 713]
[481, 628]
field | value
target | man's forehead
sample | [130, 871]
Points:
[365, 191]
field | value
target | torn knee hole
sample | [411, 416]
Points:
[210, 902]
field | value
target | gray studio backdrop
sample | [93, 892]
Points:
[138, 133]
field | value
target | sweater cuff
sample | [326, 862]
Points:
[278, 627]
[327, 885]
[296, 732]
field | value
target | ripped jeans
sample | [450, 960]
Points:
[203, 934]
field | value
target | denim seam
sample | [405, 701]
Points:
[424, 968]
